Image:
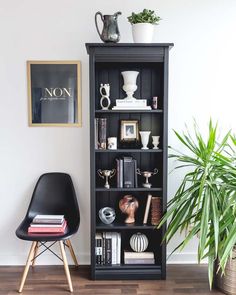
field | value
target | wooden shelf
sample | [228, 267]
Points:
[128, 111]
[131, 189]
[120, 226]
[128, 266]
[129, 151]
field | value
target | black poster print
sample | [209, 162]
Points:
[54, 93]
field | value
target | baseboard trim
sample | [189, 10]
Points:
[84, 259]
[184, 258]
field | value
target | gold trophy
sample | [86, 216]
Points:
[147, 174]
[106, 174]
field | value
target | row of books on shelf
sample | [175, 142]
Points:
[48, 224]
[108, 248]
[108, 251]
[126, 172]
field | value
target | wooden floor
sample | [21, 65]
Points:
[50, 280]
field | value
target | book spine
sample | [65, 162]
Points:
[96, 250]
[138, 255]
[118, 172]
[102, 133]
[49, 221]
[103, 247]
[121, 174]
[139, 261]
[118, 252]
[128, 172]
[96, 133]
[113, 248]
[135, 174]
[45, 230]
[147, 209]
[108, 251]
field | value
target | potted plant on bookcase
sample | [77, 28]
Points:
[143, 25]
[204, 205]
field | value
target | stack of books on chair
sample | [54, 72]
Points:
[139, 257]
[48, 224]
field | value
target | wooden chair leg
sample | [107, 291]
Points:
[63, 254]
[72, 253]
[29, 259]
[35, 253]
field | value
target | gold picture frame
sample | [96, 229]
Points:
[129, 130]
[54, 93]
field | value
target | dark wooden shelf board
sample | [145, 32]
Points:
[128, 111]
[128, 266]
[135, 189]
[129, 151]
[128, 272]
[120, 226]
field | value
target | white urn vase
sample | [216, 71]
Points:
[145, 139]
[142, 32]
[130, 86]
[155, 142]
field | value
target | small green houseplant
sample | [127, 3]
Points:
[143, 25]
[204, 205]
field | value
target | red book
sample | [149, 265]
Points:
[48, 229]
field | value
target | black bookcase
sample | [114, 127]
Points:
[106, 62]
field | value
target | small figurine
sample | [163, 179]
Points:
[105, 93]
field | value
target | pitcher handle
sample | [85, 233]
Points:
[96, 15]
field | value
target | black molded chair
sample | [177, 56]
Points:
[53, 194]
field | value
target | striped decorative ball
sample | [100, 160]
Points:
[138, 242]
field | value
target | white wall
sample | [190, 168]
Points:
[202, 84]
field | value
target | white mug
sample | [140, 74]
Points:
[112, 143]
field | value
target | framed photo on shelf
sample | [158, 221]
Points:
[129, 131]
[54, 93]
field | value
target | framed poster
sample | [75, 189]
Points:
[54, 91]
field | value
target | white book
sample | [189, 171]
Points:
[131, 108]
[49, 216]
[118, 252]
[131, 102]
[138, 255]
[113, 245]
[47, 225]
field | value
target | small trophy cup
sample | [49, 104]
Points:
[147, 174]
[106, 174]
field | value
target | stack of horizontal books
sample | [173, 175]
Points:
[48, 224]
[139, 258]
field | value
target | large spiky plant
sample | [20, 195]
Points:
[205, 202]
